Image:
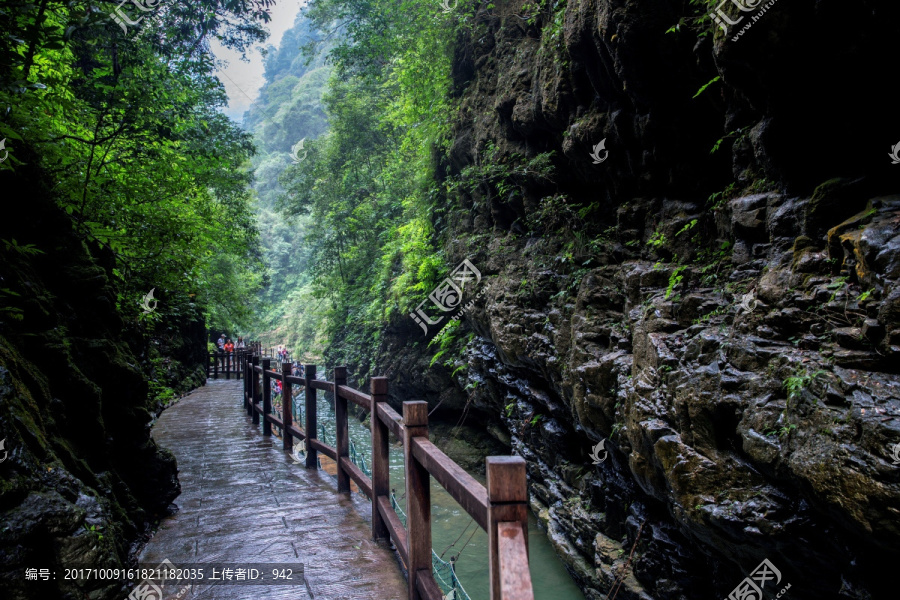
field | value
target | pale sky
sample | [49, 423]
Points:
[243, 79]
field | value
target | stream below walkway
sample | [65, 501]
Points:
[453, 532]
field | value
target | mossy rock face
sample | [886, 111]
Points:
[74, 409]
[834, 201]
[802, 243]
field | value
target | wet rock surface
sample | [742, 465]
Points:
[80, 479]
[745, 412]
[717, 301]
[244, 500]
[748, 402]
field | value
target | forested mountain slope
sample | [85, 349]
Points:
[285, 120]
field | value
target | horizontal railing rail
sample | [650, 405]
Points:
[227, 363]
[500, 507]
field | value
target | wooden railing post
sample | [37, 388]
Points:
[216, 366]
[257, 392]
[228, 365]
[418, 497]
[267, 396]
[342, 435]
[309, 373]
[507, 489]
[245, 378]
[287, 403]
[381, 480]
[208, 368]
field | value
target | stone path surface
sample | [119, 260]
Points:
[244, 500]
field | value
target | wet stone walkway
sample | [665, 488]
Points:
[244, 500]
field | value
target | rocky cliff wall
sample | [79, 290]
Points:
[726, 322]
[81, 481]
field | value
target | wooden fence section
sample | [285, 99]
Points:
[500, 508]
[230, 363]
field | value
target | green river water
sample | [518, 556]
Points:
[453, 532]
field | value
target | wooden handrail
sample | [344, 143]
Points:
[228, 363]
[318, 384]
[426, 586]
[395, 527]
[464, 488]
[391, 418]
[507, 490]
[500, 507]
[355, 396]
[515, 577]
[324, 448]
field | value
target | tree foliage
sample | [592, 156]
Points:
[123, 121]
[368, 185]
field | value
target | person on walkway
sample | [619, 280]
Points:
[220, 343]
[229, 346]
[276, 395]
[240, 344]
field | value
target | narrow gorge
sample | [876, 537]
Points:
[727, 320]
[651, 247]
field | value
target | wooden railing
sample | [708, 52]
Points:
[230, 363]
[500, 508]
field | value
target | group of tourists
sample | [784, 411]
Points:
[226, 345]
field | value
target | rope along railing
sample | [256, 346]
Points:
[500, 507]
[443, 571]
